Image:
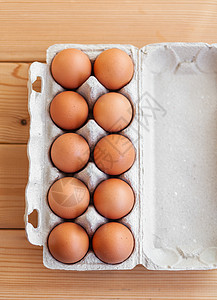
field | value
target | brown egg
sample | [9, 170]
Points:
[113, 198]
[71, 68]
[113, 68]
[69, 110]
[68, 197]
[70, 152]
[113, 112]
[113, 243]
[68, 243]
[114, 154]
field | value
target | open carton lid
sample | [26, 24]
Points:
[178, 138]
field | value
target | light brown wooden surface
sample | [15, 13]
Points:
[13, 178]
[27, 28]
[14, 118]
[24, 277]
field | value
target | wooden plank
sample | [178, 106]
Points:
[23, 276]
[13, 178]
[29, 27]
[14, 117]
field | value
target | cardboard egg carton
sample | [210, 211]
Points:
[174, 132]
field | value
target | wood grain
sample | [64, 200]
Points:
[29, 27]
[23, 276]
[14, 117]
[13, 179]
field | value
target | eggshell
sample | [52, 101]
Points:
[70, 68]
[69, 110]
[114, 154]
[113, 112]
[113, 68]
[70, 152]
[113, 198]
[68, 197]
[113, 243]
[68, 242]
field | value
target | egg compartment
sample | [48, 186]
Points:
[91, 90]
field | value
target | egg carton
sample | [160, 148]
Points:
[174, 132]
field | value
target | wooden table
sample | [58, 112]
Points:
[27, 28]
